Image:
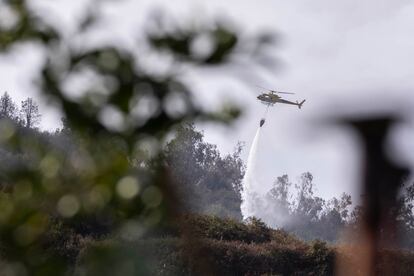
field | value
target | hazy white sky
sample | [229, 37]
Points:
[346, 56]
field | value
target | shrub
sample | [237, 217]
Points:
[211, 227]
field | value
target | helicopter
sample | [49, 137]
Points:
[271, 97]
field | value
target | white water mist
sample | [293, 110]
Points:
[250, 185]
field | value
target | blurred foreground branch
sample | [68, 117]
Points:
[94, 173]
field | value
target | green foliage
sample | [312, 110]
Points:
[311, 217]
[404, 226]
[212, 227]
[323, 257]
[224, 38]
[8, 109]
[258, 227]
[97, 175]
[27, 115]
[303, 213]
[207, 182]
[65, 242]
[230, 247]
[28, 26]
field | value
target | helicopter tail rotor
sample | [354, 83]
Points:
[301, 103]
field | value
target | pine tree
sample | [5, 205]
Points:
[8, 108]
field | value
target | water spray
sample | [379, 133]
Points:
[249, 193]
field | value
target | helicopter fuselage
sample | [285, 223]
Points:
[272, 98]
[269, 98]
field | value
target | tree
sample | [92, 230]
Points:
[334, 218]
[29, 113]
[280, 190]
[307, 205]
[277, 209]
[302, 212]
[208, 182]
[8, 108]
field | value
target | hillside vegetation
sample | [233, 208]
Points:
[209, 237]
[227, 247]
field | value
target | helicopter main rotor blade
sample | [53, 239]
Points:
[274, 91]
[266, 89]
[290, 93]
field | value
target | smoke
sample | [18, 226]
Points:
[250, 194]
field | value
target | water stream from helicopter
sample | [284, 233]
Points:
[250, 184]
